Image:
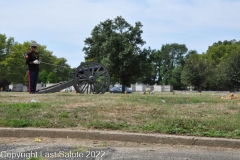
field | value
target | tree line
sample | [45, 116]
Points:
[13, 68]
[119, 46]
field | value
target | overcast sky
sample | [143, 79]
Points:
[63, 25]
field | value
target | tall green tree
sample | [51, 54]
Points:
[175, 78]
[168, 63]
[13, 67]
[221, 50]
[228, 71]
[196, 71]
[2, 46]
[117, 45]
[157, 59]
[149, 72]
[5, 45]
[217, 55]
[5, 48]
[172, 56]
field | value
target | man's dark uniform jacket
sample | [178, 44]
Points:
[30, 57]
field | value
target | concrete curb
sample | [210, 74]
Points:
[120, 136]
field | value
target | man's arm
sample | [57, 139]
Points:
[28, 58]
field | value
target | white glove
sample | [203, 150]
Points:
[36, 62]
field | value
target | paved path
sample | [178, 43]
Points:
[75, 149]
[120, 136]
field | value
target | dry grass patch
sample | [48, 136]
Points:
[189, 114]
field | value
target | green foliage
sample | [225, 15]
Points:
[62, 70]
[116, 44]
[43, 75]
[13, 66]
[221, 50]
[175, 78]
[2, 43]
[148, 69]
[228, 71]
[168, 63]
[5, 48]
[26, 78]
[224, 57]
[173, 56]
[51, 78]
[196, 71]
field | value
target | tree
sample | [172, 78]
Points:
[228, 76]
[190, 53]
[172, 56]
[195, 71]
[5, 48]
[13, 66]
[62, 69]
[26, 78]
[156, 59]
[3, 73]
[217, 55]
[221, 50]
[148, 74]
[51, 78]
[175, 79]
[43, 75]
[12, 61]
[2, 46]
[168, 63]
[116, 44]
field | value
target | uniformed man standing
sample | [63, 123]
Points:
[32, 60]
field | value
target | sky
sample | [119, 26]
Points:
[63, 25]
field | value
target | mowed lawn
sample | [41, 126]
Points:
[199, 114]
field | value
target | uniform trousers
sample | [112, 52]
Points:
[32, 81]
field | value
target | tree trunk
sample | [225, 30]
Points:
[200, 88]
[123, 87]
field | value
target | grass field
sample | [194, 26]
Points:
[199, 114]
